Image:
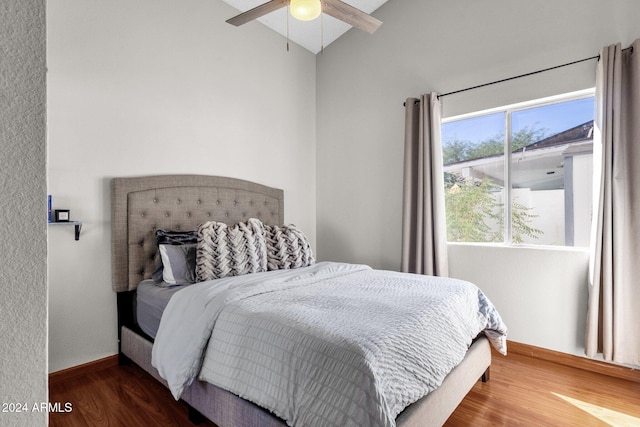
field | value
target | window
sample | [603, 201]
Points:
[543, 168]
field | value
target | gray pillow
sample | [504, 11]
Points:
[179, 264]
[164, 237]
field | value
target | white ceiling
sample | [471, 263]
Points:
[311, 35]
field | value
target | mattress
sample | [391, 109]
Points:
[151, 301]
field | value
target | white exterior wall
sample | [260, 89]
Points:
[549, 206]
[582, 198]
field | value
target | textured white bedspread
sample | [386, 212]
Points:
[327, 345]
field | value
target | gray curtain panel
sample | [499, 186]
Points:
[613, 319]
[424, 232]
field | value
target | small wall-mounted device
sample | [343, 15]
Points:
[62, 215]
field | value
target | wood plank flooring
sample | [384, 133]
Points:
[117, 396]
[523, 391]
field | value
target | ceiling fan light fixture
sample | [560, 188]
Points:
[305, 10]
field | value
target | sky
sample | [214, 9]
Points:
[553, 118]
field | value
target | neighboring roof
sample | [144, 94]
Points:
[540, 165]
[582, 132]
[578, 133]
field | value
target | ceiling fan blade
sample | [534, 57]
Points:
[257, 12]
[352, 16]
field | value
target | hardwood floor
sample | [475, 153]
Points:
[523, 391]
[117, 396]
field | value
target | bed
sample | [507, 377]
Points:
[142, 205]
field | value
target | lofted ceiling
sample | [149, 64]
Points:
[311, 35]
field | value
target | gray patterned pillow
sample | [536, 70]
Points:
[287, 247]
[230, 251]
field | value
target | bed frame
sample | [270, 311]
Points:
[141, 205]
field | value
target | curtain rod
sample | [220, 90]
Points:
[520, 76]
[523, 75]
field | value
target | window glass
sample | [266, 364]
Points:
[473, 156]
[549, 159]
[546, 173]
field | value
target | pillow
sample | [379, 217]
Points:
[179, 264]
[230, 251]
[287, 247]
[174, 238]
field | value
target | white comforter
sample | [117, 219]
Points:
[327, 345]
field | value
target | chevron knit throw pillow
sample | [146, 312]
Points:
[287, 247]
[230, 251]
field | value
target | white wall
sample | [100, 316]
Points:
[539, 292]
[23, 186]
[157, 87]
[443, 46]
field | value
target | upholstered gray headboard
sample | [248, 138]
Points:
[142, 205]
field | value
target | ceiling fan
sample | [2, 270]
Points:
[306, 10]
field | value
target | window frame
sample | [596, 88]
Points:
[508, 110]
